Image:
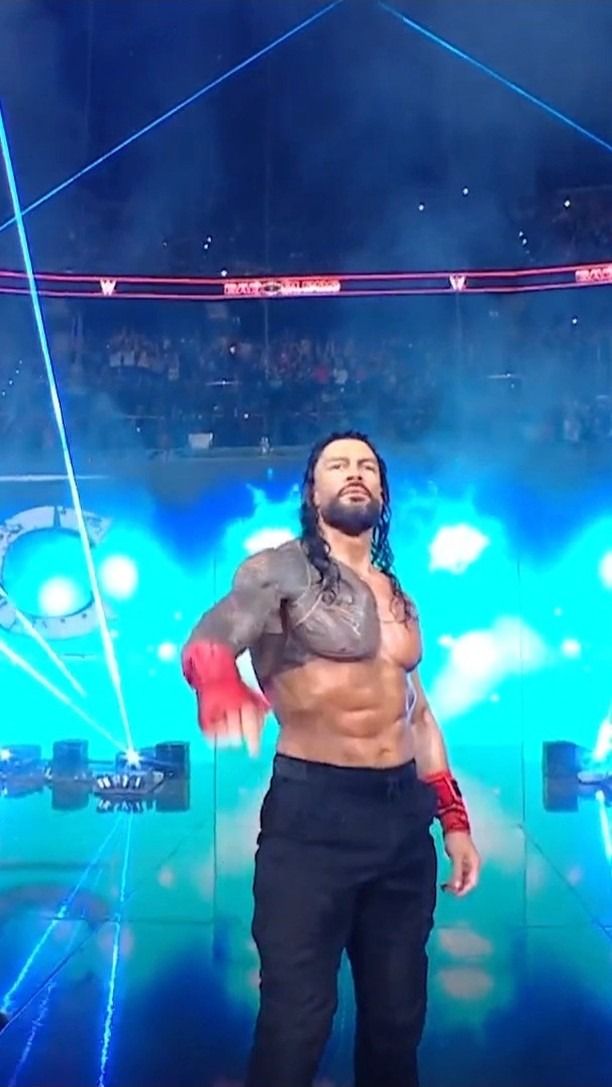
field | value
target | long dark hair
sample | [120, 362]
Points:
[316, 546]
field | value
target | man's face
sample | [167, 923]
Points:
[347, 486]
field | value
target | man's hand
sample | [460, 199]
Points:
[228, 709]
[241, 726]
[465, 861]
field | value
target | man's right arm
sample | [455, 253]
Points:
[227, 707]
[238, 620]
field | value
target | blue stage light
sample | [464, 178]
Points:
[167, 652]
[58, 414]
[58, 596]
[605, 570]
[571, 647]
[119, 576]
[455, 547]
[38, 559]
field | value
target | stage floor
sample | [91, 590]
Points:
[126, 958]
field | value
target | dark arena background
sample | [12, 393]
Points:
[228, 227]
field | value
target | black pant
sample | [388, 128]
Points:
[345, 859]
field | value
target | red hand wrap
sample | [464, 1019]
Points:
[452, 811]
[211, 670]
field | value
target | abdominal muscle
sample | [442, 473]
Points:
[343, 713]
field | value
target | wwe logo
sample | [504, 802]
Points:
[107, 286]
[458, 282]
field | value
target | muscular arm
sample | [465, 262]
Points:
[432, 764]
[226, 705]
[238, 620]
[430, 748]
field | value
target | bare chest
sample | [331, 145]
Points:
[400, 640]
[360, 621]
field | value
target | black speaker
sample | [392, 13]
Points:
[560, 758]
[173, 796]
[560, 794]
[70, 756]
[175, 755]
[69, 795]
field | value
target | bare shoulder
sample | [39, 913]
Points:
[400, 603]
[284, 567]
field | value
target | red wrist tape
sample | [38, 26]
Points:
[452, 811]
[208, 662]
[211, 670]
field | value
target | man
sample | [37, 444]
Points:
[345, 858]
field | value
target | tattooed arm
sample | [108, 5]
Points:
[227, 708]
[238, 620]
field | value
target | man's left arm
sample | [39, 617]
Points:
[433, 768]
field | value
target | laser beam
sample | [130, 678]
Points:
[7, 1003]
[29, 669]
[43, 643]
[498, 77]
[603, 745]
[107, 642]
[111, 1002]
[43, 1010]
[171, 113]
[604, 824]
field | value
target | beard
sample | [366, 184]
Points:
[352, 518]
